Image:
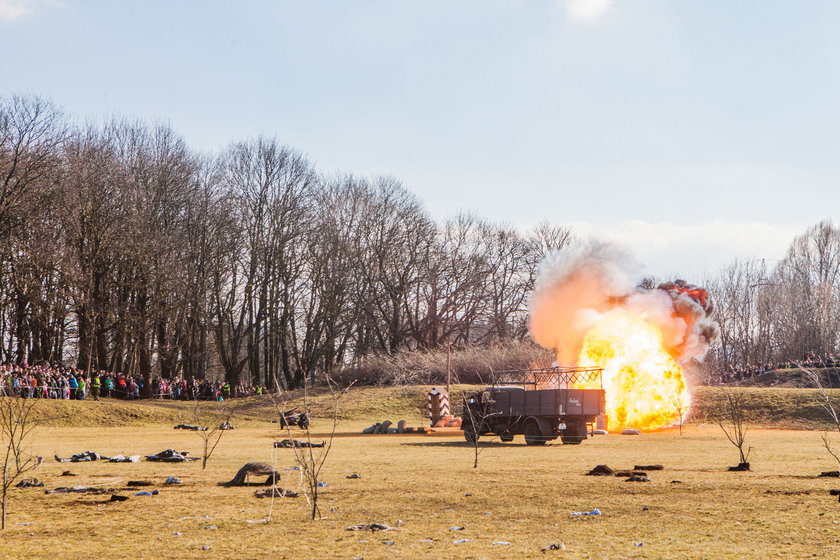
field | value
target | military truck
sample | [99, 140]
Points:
[541, 404]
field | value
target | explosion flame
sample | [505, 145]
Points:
[588, 309]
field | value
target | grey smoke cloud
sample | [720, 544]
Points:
[579, 285]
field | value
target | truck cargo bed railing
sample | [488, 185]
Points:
[550, 377]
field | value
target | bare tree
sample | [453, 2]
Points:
[679, 407]
[731, 419]
[741, 308]
[31, 134]
[310, 456]
[16, 425]
[476, 419]
[807, 283]
[212, 418]
[824, 400]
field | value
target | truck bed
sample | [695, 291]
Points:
[549, 402]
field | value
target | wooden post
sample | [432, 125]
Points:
[448, 365]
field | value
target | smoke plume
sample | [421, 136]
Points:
[578, 286]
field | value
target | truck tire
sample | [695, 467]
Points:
[533, 433]
[506, 437]
[469, 433]
[574, 433]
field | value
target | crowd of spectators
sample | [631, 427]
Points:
[59, 382]
[808, 361]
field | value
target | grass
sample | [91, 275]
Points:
[777, 407]
[425, 485]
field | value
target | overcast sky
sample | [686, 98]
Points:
[694, 131]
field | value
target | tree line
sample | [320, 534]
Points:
[123, 249]
[781, 314]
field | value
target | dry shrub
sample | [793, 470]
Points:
[472, 365]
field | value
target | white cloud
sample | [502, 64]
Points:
[587, 9]
[13, 9]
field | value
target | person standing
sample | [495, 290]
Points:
[96, 384]
[73, 385]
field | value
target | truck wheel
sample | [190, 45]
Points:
[533, 433]
[574, 433]
[469, 434]
[506, 437]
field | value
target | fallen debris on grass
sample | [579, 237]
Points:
[601, 470]
[292, 443]
[648, 468]
[190, 427]
[371, 527]
[387, 427]
[29, 483]
[595, 511]
[558, 546]
[123, 459]
[625, 474]
[638, 477]
[86, 490]
[277, 493]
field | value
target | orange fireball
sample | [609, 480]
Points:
[645, 387]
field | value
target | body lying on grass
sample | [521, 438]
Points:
[292, 443]
[88, 456]
[171, 456]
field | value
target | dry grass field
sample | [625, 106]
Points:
[424, 485]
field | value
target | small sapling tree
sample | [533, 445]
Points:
[212, 418]
[16, 425]
[474, 420]
[824, 400]
[679, 407]
[310, 456]
[732, 420]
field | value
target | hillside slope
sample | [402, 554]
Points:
[772, 406]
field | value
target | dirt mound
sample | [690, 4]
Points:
[601, 470]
